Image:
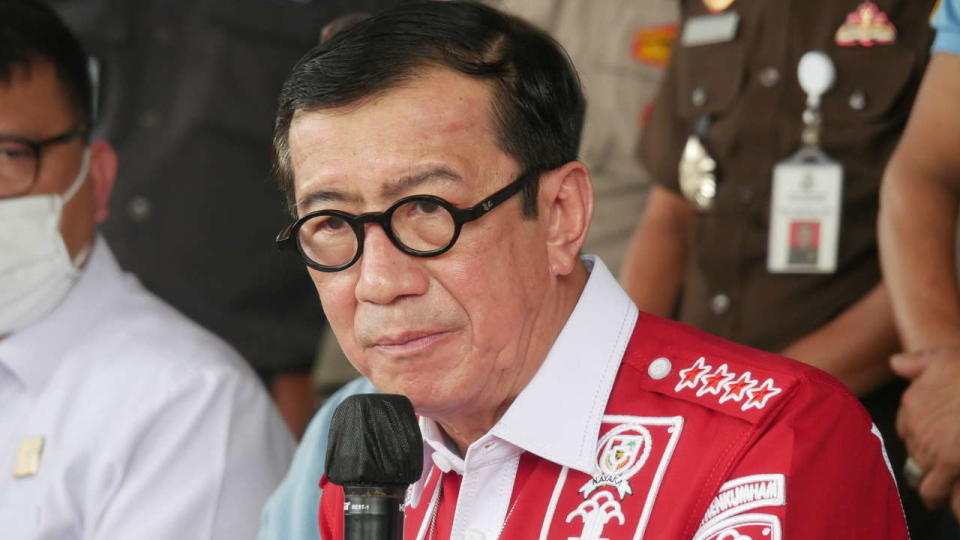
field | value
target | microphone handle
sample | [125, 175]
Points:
[373, 512]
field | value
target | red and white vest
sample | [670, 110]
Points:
[702, 439]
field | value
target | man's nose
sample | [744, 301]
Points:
[386, 273]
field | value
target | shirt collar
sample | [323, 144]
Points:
[34, 352]
[580, 368]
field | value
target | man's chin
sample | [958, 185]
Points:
[426, 398]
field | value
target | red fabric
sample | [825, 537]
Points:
[810, 438]
[445, 512]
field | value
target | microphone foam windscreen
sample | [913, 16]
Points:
[374, 440]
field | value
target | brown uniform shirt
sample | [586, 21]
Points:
[749, 86]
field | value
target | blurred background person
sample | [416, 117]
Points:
[190, 90]
[119, 417]
[918, 218]
[761, 225]
[620, 49]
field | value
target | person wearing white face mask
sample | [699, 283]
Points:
[35, 267]
[119, 417]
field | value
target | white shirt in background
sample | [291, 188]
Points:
[151, 427]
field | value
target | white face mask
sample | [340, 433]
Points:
[35, 267]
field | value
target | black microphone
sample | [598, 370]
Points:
[375, 451]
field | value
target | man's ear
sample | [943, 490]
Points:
[565, 204]
[103, 174]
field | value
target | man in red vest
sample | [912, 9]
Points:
[429, 155]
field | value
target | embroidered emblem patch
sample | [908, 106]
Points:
[623, 451]
[633, 454]
[744, 527]
[741, 388]
[595, 512]
[653, 45]
[746, 493]
[866, 26]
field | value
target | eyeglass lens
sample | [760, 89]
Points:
[420, 225]
[18, 168]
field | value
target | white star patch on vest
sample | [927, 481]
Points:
[690, 377]
[741, 388]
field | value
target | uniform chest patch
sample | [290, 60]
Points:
[866, 26]
[728, 517]
[633, 454]
[653, 45]
[744, 527]
[747, 493]
[724, 385]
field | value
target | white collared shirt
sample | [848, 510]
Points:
[556, 416]
[151, 427]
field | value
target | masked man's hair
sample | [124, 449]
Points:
[30, 32]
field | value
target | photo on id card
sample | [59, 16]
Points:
[805, 210]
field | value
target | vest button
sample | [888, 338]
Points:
[659, 368]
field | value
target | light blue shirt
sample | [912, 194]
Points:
[947, 23]
[291, 512]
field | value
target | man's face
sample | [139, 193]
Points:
[33, 106]
[450, 332]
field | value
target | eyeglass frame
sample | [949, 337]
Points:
[37, 147]
[287, 239]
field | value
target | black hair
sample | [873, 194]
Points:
[31, 31]
[538, 104]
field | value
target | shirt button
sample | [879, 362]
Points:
[858, 100]
[473, 534]
[442, 462]
[140, 209]
[659, 368]
[148, 119]
[769, 77]
[719, 304]
[699, 96]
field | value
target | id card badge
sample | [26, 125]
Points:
[805, 211]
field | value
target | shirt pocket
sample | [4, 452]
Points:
[864, 114]
[710, 78]
[873, 84]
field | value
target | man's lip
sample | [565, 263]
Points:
[409, 340]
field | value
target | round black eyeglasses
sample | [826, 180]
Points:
[420, 225]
